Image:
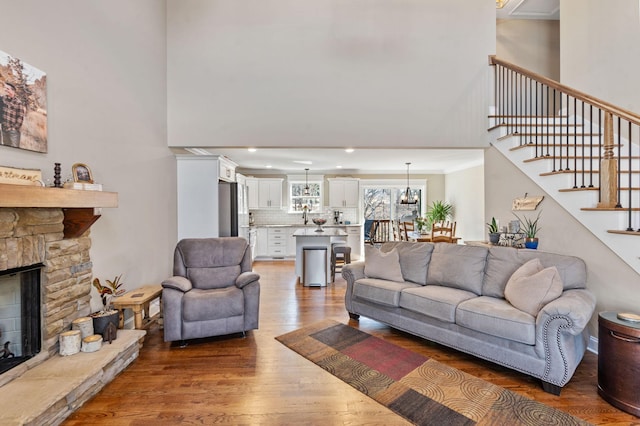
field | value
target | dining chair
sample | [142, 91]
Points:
[397, 231]
[370, 227]
[407, 227]
[443, 232]
[382, 231]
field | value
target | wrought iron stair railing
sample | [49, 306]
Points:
[595, 142]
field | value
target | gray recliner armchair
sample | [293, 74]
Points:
[213, 291]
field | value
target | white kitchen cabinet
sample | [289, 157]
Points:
[354, 240]
[265, 193]
[344, 192]
[277, 242]
[262, 243]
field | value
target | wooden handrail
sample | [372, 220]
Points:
[592, 100]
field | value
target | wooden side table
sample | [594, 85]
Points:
[619, 362]
[138, 301]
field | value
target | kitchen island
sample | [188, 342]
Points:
[313, 254]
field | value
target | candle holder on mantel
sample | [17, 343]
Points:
[56, 175]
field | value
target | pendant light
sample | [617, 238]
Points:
[406, 198]
[306, 182]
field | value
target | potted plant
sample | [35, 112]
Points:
[438, 212]
[107, 315]
[530, 229]
[494, 234]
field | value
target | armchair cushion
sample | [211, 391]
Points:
[178, 283]
[246, 278]
[219, 277]
[213, 304]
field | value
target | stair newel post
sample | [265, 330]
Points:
[608, 167]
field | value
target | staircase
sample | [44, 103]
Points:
[582, 151]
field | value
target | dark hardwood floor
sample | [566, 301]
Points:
[257, 380]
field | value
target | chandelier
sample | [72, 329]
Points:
[406, 198]
[306, 182]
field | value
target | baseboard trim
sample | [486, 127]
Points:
[593, 345]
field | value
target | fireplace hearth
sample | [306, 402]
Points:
[20, 325]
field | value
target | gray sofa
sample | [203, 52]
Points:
[455, 295]
[213, 291]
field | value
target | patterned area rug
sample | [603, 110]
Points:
[419, 389]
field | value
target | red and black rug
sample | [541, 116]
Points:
[419, 389]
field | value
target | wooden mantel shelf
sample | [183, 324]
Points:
[38, 196]
[78, 205]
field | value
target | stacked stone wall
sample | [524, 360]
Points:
[31, 236]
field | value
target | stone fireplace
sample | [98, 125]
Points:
[32, 236]
[49, 228]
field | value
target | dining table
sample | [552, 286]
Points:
[425, 238]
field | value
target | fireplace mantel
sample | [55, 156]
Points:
[78, 205]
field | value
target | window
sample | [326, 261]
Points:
[297, 197]
[381, 200]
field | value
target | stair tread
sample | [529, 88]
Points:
[558, 172]
[572, 157]
[613, 231]
[610, 209]
[592, 188]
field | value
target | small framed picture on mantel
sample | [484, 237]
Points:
[81, 173]
[82, 178]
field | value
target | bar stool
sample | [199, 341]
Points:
[340, 256]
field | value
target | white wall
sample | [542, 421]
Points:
[530, 43]
[600, 49]
[105, 65]
[362, 73]
[464, 189]
[613, 282]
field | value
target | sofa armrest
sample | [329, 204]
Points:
[577, 306]
[351, 273]
[561, 334]
[177, 283]
[246, 278]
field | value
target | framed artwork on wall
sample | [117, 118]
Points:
[23, 105]
[81, 173]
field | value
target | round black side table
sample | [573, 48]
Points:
[619, 362]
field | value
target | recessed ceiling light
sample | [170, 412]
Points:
[307, 162]
[252, 150]
[349, 150]
[268, 166]
[338, 167]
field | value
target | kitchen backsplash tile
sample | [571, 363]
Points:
[281, 217]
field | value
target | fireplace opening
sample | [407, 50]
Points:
[20, 334]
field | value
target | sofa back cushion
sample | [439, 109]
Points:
[414, 259]
[381, 265]
[502, 262]
[457, 266]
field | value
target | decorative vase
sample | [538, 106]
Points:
[531, 243]
[102, 319]
[494, 237]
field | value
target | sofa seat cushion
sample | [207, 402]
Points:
[435, 301]
[497, 317]
[204, 305]
[380, 291]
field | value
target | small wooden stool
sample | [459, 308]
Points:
[138, 300]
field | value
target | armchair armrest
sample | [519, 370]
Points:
[178, 283]
[246, 278]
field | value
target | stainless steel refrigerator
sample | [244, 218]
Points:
[233, 211]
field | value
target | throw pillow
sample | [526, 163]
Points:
[532, 292]
[385, 266]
